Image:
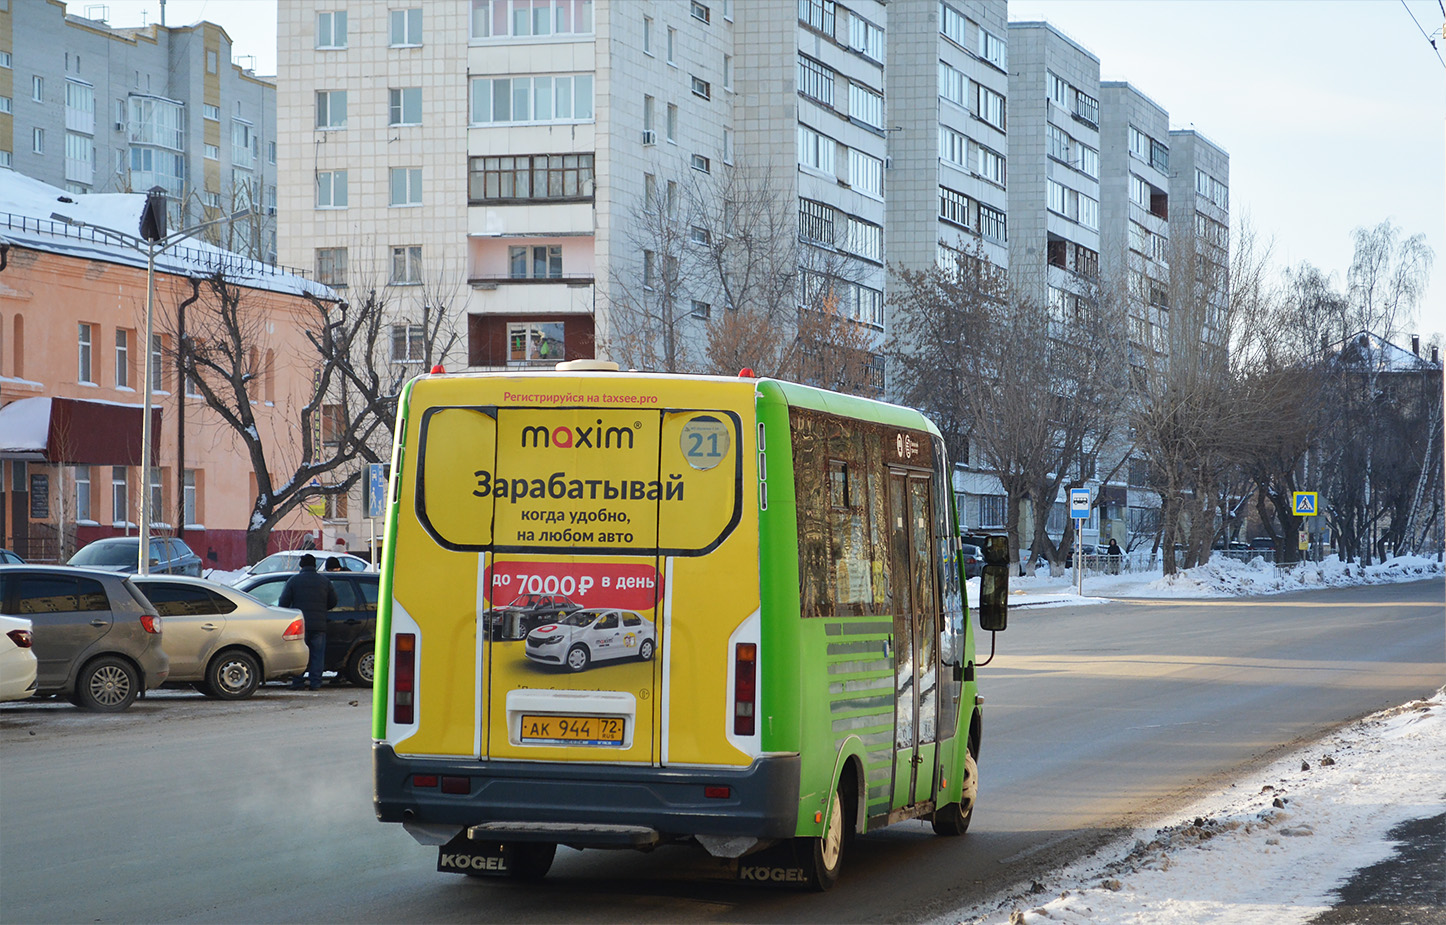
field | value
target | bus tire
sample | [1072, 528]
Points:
[578, 658]
[823, 856]
[531, 860]
[953, 819]
[645, 651]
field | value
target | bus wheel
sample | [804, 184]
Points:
[577, 657]
[954, 819]
[645, 651]
[531, 860]
[824, 855]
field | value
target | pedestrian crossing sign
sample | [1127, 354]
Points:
[1304, 503]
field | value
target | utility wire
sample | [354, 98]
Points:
[1424, 33]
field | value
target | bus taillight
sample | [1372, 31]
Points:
[745, 688]
[404, 675]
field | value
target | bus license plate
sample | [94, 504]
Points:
[572, 730]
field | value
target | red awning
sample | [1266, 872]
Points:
[76, 431]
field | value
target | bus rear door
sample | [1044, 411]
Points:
[915, 617]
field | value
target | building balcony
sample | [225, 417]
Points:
[530, 219]
[567, 294]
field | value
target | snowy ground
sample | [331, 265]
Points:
[1217, 578]
[1270, 849]
[1274, 846]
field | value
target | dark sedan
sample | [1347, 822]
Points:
[351, 626]
[524, 614]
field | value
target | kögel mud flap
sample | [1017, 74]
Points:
[461, 855]
[778, 863]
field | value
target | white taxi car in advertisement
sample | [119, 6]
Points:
[587, 636]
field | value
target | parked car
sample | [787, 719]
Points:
[290, 561]
[17, 659]
[973, 558]
[224, 641]
[351, 626]
[9, 558]
[169, 556]
[1262, 542]
[525, 614]
[97, 640]
[587, 636]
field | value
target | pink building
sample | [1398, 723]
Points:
[72, 326]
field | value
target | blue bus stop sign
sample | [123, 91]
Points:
[1079, 503]
[376, 490]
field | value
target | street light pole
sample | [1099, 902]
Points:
[157, 241]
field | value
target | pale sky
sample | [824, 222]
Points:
[1333, 111]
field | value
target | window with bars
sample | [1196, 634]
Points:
[992, 510]
[817, 14]
[1086, 107]
[992, 223]
[815, 80]
[530, 177]
[815, 222]
[954, 207]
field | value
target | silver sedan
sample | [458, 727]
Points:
[224, 641]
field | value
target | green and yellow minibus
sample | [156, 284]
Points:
[621, 610]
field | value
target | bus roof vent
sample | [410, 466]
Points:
[587, 366]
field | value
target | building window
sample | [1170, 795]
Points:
[701, 163]
[271, 152]
[1086, 107]
[701, 88]
[7, 159]
[212, 61]
[865, 239]
[211, 200]
[79, 107]
[190, 515]
[5, 59]
[6, 105]
[952, 146]
[992, 49]
[991, 166]
[991, 510]
[1159, 156]
[79, 158]
[331, 30]
[1088, 161]
[815, 80]
[119, 502]
[1057, 89]
[1089, 212]
[672, 123]
[82, 492]
[816, 222]
[992, 223]
[37, 89]
[211, 152]
[331, 189]
[866, 37]
[1139, 144]
[952, 85]
[817, 15]
[991, 107]
[543, 261]
[699, 235]
[520, 18]
[671, 203]
[530, 177]
[727, 72]
[650, 194]
[648, 35]
[408, 343]
[535, 342]
[158, 376]
[37, 140]
[157, 495]
[406, 265]
[951, 24]
[650, 269]
[244, 144]
[122, 358]
[331, 109]
[727, 146]
[701, 310]
[699, 11]
[953, 207]
[406, 186]
[406, 28]
[672, 44]
[1057, 143]
[331, 266]
[404, 106]
[211, 112]
[564, 98]
[84, 370]
[815, 150]
[866, 173]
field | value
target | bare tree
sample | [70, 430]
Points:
[650, 309]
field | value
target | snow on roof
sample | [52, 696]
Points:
[27, 207]
[25, 425]
[1365, 350]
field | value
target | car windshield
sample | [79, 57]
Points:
[581, 618]
[108, 555]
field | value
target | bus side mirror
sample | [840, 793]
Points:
[994, 585]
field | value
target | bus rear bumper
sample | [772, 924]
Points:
[761, 799]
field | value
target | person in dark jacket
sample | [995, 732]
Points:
[311, 593]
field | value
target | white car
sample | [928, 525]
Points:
[290, 561]
[587, 636]
[17, 659]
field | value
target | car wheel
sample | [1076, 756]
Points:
[107, 685]
[578, 657]
[232, 675]
[953, 818]
[823, 856]
[645, 651]
[361, 667]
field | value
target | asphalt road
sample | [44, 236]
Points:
[1096, 718]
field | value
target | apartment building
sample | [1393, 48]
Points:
[95, 109]
[1200, 221]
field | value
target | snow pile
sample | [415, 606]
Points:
[1220, 577]
[1272, 849]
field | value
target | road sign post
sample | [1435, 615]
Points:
[1079, 509]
